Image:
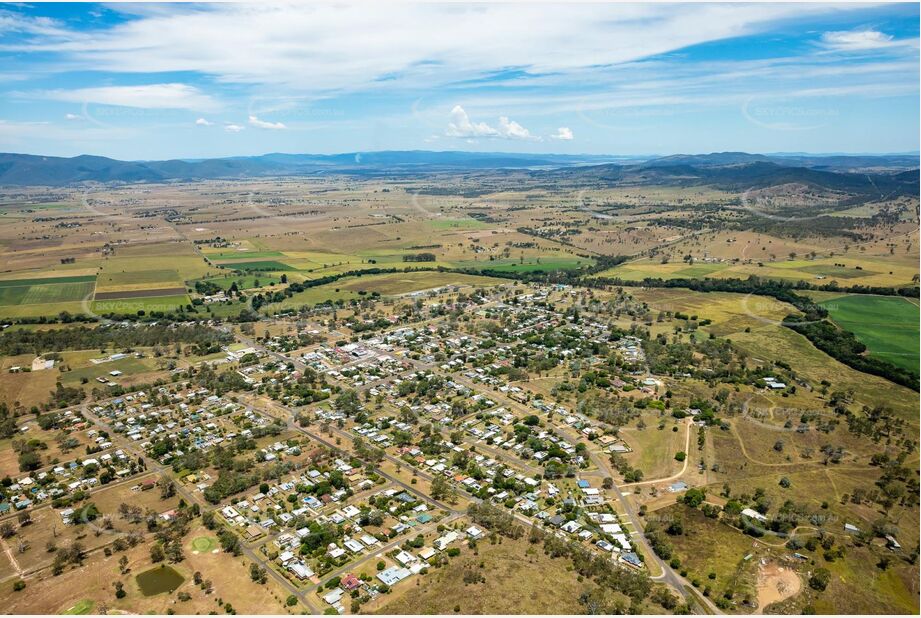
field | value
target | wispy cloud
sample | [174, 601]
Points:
[858, 40]
[322, 48]
[524, 73]
[153, 96]
[11, 22]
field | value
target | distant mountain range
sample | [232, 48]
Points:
[23, 170]
[878, 180]
[725, 169]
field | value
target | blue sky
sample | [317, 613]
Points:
[159, 81]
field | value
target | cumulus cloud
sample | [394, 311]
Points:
[857, 40]
[461, 126]
[73, 116]
[262, 124]
[563, 133]
[202, 122]
[510, 129]
[233, 128]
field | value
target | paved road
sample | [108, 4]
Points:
[667, 576]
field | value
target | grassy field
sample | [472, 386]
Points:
[654, 449]
[38, 296]
[236, 255]
[706, 547]
[768, 340]
[544, 264]
[44, 294]
[887, 325]
[456, 224]
[82, 590]
[128, 366]
[858, 587]
[203, 544]
[80, 608]
[857, 270]
[46, 281]
[260, 265]
[391, 284]
[511, 568]
[155, 277]
[244, 282]
[404, 283]
[133, 305]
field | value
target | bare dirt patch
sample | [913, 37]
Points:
[776, 583]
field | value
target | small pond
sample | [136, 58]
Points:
[160, 579]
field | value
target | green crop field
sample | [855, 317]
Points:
[700, 270]
[244, 282]
[46, 281]
[263, 265]
[887, 325]
[45, 294]
[62, 292]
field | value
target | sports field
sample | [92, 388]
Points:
[203, 544]
[887, 325]
[82, 607]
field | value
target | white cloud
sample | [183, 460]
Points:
[857, 40]
[16, 22]
[320, 48]
[233, 128]
[77, 135]
[73, 116]
[563, 133]
[203, 122]
[153, 96]
[262, 124]
[461, 126]
[510, 129]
